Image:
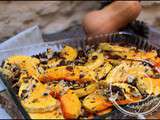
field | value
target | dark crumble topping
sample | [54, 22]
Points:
[44, 62]
[24, 91]
[94, 57]
[118, 90]
[72, 73]
[24, 96]
[45, 94]
[36, 56]
[33, 85]
[80, 61]
[115, 57]
[131, 89]
[15, 68]
[62, 63]
[133, 82]
[36, 81]
[145, 63]
[81, 76]
[102, 65]
[41, 55]
[82, 53]
[66, 53]
[69, 68]
[25, 80]
[144, 94]
[56, 55]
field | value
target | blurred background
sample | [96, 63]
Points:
[55, 16]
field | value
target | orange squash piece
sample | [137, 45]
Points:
[75, 73]
[95, 102]
[71, 105]
[69, 53]
[55, 114]
[81, 92]
[26, 63]
[37, 100]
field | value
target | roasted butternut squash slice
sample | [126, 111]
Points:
[55, 114]
[70, 73]
[53, 62]
[26, 86]
[95, 102]
[138, 70]
[103, 70]
[130, 92]
[149, 85]
[35, 97]
[25, 78]
[71, 105]
[86, 91]
[122, 72]
[21, 59]
[95, 60]
[116, 62]
[118, 74]
[26, 63]
[142, 55]
[130, 53]
[22, 78]
[109, 47]
[69, 53]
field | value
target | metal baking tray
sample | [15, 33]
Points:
[32, 50]
[57, 45]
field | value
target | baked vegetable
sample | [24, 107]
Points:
[69, 53]
[53, 62]
[103, 70]
[95, 60]
[87, 90]
[118, 74]
[125, 71]
[148, 85]
[55, 114]
[75, 84]
[71, 105]
[35, 98]
[109, 47]
[26, 63]
[70, 73]
[130, 92]
[95, 103]
[19, 60]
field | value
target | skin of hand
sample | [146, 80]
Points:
[111, 18]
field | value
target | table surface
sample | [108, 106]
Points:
[74, 31]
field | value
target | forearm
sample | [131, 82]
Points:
[112, 17]
[120, 13]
